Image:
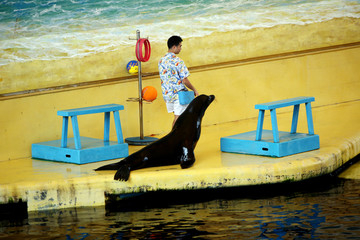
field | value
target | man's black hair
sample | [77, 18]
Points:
[174, 41]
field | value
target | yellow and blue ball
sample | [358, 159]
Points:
[132, 67]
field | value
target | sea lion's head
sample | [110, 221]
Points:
[200, 104]
[195, 111]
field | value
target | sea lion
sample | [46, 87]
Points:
[174, 148]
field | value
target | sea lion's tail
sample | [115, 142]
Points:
[123, 170]
[113, 166]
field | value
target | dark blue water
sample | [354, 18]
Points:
[326, 208]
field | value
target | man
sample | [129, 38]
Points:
[174, 77]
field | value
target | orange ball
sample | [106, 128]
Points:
[149, 93]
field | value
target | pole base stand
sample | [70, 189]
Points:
[139, 141]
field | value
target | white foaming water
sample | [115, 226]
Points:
[54, 29]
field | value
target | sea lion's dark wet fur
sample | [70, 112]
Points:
[177, 147]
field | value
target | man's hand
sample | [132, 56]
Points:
[189, 85]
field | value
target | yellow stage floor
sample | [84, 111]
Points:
[51, 185]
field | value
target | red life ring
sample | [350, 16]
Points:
[139, 48]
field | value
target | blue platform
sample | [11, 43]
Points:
[274, 143]
[79, 149]
[289, 143]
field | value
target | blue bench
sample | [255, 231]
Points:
[272, 106]
[82, 149]
[275, 143]
[73, 113]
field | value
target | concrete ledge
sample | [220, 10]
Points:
[52, 185]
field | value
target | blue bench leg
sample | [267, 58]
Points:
[64, 132]
[274, 125]
[295, 118]
[309, 118]
[106, 126]
[75, 125]
[118, 127]
[260, 125]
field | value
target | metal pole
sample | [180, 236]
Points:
[141, 140]
[140, 95]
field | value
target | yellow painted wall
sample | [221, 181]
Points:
[330, 76]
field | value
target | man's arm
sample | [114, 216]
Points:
[189, 85]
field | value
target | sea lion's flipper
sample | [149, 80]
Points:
[123, 173]
[187, 158]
